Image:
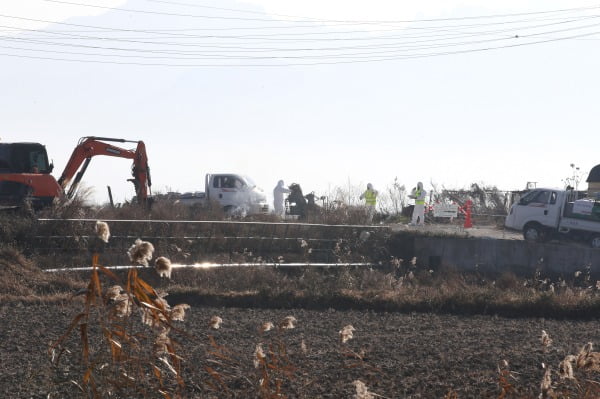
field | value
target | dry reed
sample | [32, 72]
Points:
[163, 267]
[215, 322]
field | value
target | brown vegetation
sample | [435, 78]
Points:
[128, 344]
[21, 280]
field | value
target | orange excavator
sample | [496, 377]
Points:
[25, 170]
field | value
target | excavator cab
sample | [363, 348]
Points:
[24, 158]
[22, 166]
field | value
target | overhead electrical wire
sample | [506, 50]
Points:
[306, 64]
[435, 43]
[403, 26]
[281, 36]
[445, 35]
[313, 45]
[304, 19]
[174, 32]
[370, 21]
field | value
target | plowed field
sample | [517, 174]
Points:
[395, 355]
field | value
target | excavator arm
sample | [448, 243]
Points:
[89, 147]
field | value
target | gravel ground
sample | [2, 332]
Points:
[459, 231]
[395, 355]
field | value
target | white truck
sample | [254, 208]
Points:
[237, 194]
[543, 214]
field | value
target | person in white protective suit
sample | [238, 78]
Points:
[278, 192]
[370, 197]
[418, 215]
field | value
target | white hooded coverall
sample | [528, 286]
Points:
[278, 192]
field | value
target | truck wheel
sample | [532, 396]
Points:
[595, 241]
[534, 233]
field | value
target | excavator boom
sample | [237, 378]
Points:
[92, 146]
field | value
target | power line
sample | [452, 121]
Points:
[352, 61]
[441, 35]
[305, 19]
[294, 47]
[426, 41]
[436, 31]
[284, 27]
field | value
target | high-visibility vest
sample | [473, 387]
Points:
[419, 201]
[370, 197]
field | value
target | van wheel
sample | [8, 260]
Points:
[534, 233]
[595, 241]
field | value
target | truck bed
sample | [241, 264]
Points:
[594, 216]
[577, 221]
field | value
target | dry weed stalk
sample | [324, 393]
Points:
[117, 356]
[587, 359]
[362, 392]
[215, 322]
[223, 366]
[113, 293]
[102, 231]
[504, 374]
[346, 333]
[565, 367]
[123, 305]
[178, 311]
[140, 253]
[267, 326]
[303, 347]
[451, 395]
[163, 267]
[259, 356]
[162, 342]
[153, 314]
[288, 323]
[546, 384]
[273, 365]
[545, 340]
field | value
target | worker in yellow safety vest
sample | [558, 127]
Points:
[418, 215]
[370, 197]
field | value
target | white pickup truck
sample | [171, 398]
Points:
[237, 194]
[543, 214]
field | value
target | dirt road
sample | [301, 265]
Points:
[459, 231]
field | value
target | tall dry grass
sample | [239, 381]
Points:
[126, 330]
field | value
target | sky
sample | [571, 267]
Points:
[322, 93]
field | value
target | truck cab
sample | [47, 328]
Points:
[544, 213]
[538, 205]
[237, 194]
[535, 212]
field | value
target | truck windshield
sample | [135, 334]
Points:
[538, 197]
[249, 181]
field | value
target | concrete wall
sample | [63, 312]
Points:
[497, 256]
